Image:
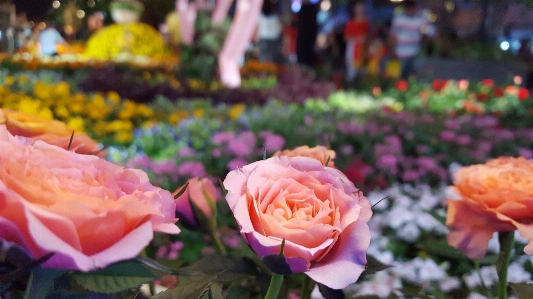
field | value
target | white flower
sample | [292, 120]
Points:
[476, 296]
[410, 232]
[449, 284]
[517, 274]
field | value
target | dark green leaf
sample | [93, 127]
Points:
[224, 191]
[70, 141]
[238, 292]
[216, 291]
[373, 265]
[189, 287]
[522, 290]
[115, 278]
[441, 248]
[436, 215]
[229, 267]
[41, 282]
[182, 190]
[330, 293]
[154, 265]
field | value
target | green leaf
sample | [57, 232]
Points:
[154, 265]
[216, 291]
[41, 282]
[224, 191]
[189, 287]
[373, 265]
[238, 292]
[522, 290]
[115, 278]
[227, 267]
[441, 248]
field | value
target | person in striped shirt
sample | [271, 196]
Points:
[406, 34]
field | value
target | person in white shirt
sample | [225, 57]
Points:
[269, 33]
[49, 39]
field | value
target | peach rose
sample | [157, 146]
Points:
[201, 192]
[50, 131]
[493, 197]
[319, 152]
[86, 211]
[316, 209]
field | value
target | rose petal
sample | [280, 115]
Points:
[346, 261]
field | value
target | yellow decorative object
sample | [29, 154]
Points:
[136, 39]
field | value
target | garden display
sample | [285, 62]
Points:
[408, 191]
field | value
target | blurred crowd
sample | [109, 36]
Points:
[362, 48]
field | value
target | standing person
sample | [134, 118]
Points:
[307, 33]
[525, 54]
[355, 35]
[49, 39]
[269, 33]
[406, 35]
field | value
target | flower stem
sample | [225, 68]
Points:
[218, 243]
[506, 240]
[307, 288]
[275, 286]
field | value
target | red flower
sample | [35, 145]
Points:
[498, 92]
[487, 83]
[402, 85]
[357, 172]
[482, 97]
[438, 84]
[522, 94]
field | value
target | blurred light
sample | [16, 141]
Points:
[32, 24]
[517, 80]
[314, 1]
[91, 3]
[295, 6]
[42, 25]
[376, 91]
[325, 5]
[449, 6]
[56, 4]
[396, 1]
[69, 30]
[504, 45]
[462, 84]
[322, 41]
[432, 17]
[80, 14]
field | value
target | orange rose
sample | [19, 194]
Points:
[493, 197]
[86, 211]
[50, 131]
[319, 152]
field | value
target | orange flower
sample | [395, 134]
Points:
[50, 131]
[319, 152]
[493, 197]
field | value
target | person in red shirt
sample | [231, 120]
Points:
[355, 34]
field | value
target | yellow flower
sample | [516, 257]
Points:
[127, 111]
[236, 111]
[77, 124]
[199, 112]
[114, 97]
[23, 79]
[46, 113]
[62, 89]
[9, 80]
[61, 112]
[123, 136]
[28, 105]
[144, 110]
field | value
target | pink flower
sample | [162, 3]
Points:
[192, 169]
[201, 192]
[272, 142]
[222, 137]
[447, 135]
[317, 211]
[319, 152]
[236, 163]
[86, 211]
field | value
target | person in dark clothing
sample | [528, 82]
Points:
[526, 56]
[307, 33]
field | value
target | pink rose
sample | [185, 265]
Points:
[319, 152]
[321, 215]
[203, 193]
[86, 211]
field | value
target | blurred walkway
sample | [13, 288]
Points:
[434, 68]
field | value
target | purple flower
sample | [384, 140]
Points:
[164, 167]
[452, 124]
[240, 148]
[447, 135]
[272, 142]
[222, 137]
[186, 152]
[463, 139]
[526, 153]
[426, 163]
[410, 175]
[192, 169]
[387, 161]
[236, 163]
